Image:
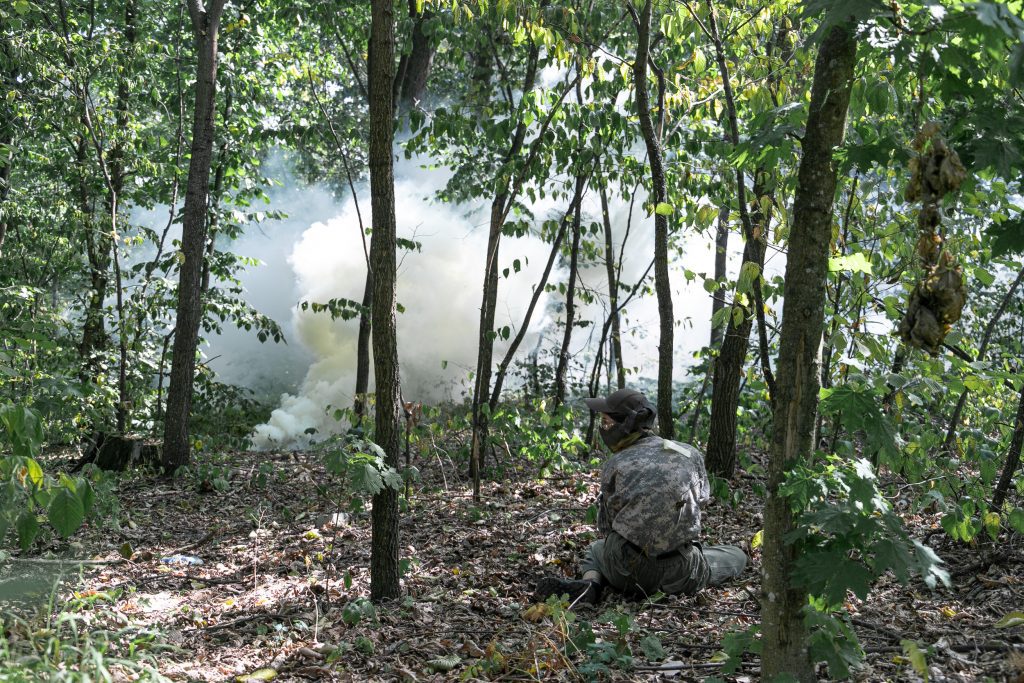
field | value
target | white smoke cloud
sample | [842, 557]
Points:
[439, 287]
[316, 255]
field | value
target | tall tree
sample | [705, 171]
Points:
[659, 195]
[615, 352]
[728, 370]
[785, 647]
[384, 573]
[177, 444]
[500, 205]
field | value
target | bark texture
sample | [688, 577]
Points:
[785, 637]
[384, 574]
[177, 445]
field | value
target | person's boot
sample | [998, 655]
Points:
[588, 592]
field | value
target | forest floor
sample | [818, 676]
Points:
[284, 578]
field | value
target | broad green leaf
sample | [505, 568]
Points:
[756, 541]
[366, 479]
[1007, 237]
[853, 263]
[859, 409]
[1016, 519]
[652, 648]
[992, 522]
[983, 276]
[916, 656]
[749, 273]
[664, 209]
[66, 513]
[28, 528]
[33, 472]
[975, 383]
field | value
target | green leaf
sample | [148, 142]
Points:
[652, 648]
[66, 513]
[859, 409]
[34, 472]
[992, 522]
[1011, 619]
[757, 540]
[749, 273]
[1007, 237]
[366, 479]
[853, 263]
[916, 656]
[28, 528]
[831, 574]
[664, 209]
[266, 674]
[87, 495]
[1016, 519]
[984, 277]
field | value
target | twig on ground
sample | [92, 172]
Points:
[235, 622]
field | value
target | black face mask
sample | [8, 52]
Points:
[635, 421]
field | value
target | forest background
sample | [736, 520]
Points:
[560, 168]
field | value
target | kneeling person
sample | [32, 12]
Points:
[649, 512]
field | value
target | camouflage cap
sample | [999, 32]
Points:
[619, 404]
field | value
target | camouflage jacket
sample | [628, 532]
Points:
[651, 494]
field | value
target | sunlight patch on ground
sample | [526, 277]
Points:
[164, 601]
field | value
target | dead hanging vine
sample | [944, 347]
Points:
[939, 296]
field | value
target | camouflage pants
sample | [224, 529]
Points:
[687, 571]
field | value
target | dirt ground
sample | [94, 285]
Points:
[283, 580]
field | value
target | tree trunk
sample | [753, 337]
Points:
[1012, 457]
[721, 261]
[363, 350]
[416, 65]
[613, 294]
[177, 445]
[384, 574]
[785, 638]
[728, 372]
[486, 334]
[97, 252]
[570, 298]
[659, 195]
[721, 451]
[216, 194]
[116, 178]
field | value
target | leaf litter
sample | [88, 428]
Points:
[271, 583]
